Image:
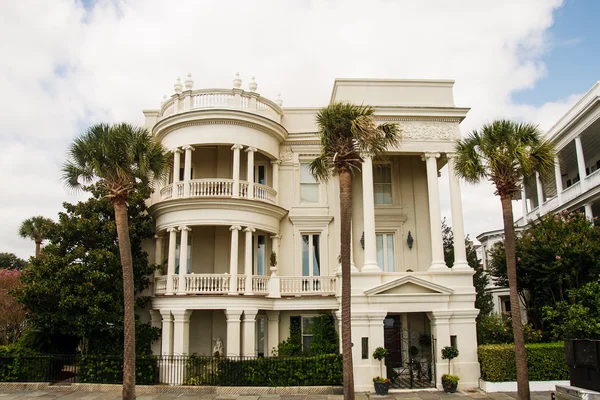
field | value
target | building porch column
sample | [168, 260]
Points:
[187, 170]
[458, 230]
[176, 168]
[236, 169]
[272, 331]
[233, 332]
[233, 260]
[435, 214]
[181, 332]
[580, 164]
[558, 179]
[249, 342]
[250, 172]
[370, 262]
[167, 333]
[171, 260]
[248, 259]
[183, 256]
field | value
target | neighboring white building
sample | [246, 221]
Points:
[241, 189]
[576, 136]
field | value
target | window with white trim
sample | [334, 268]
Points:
[189, 254]
[307, 334]
[311, 254]
[385, 252]
[382, 183]
[309, 187]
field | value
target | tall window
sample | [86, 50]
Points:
[309, 187]
[385, 252]
[259, 174]
[307, 334]
[382, 183]
[261, 251]
[311, 255]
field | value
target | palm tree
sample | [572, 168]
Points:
[119, 158]
[348, 135]
[508, 154]
[36, 229]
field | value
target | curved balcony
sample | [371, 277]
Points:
[217, 188]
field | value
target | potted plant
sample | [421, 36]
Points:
[449, 382]
[382, 385]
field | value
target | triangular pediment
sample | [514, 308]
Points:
[409, 285]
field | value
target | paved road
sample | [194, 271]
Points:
[421, 395]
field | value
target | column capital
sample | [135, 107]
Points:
[159, 236]
[172, 229]
[427, 155]
[176, 150]
[277, 236]
[272, 315]
[235, 227]
[249, 229]
[237, 147]
[276, 162]
[233, 315]
[166, 315]
[451, 156]
[188, 147]
[185, 228]
[250, 315]
[250, 149]
[181, 315]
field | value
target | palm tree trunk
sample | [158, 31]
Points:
[345, 226]
[515, 306]
[122, 223]
[38, 245]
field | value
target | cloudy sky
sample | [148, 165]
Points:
[66, 64]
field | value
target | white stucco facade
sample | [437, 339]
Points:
[239, 190]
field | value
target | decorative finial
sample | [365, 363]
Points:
[252, 85]
[189, 82]
[237, 82]
[178, 87]
[278, 101]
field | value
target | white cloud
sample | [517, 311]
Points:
[63, 67]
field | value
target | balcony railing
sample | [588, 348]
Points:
[218, 188]
[307, 285]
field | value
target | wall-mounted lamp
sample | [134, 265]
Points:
[410, 240]
[362, 241]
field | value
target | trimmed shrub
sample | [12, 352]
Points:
[105, 369]
[545, 361]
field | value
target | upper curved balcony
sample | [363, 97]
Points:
[218, 188]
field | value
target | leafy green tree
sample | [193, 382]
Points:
[348, 135]
[483, 299]
[35, 228]
[119, 157]
[11, 261]
[507, 154]
[73, 293]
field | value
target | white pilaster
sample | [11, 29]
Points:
[236, 169]
[171, 259]
[588, 211]
[435, 214]
[248, 259]
[167, 332]
[580, 163]
[156, 322]
[370, 263]
[440, 328]
[249, 348]
[181, 332]
[275, 165]
[524, 203]
[187, 170]
[458, 230]
[183, 256]
[233, 332]
[272, 331]
[233, 260]
[250, 174]
[176, 168]
[158, 252]
[558, 179]
[540, 192]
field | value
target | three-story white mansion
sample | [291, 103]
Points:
[240, 189]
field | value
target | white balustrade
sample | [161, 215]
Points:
[207, 283]
[550, 204]
[214, 99]
[170, 110]
[175, 283]
[593, 179]
[160, 284]
[243, 189]
[571, 192]
[241, 283]
[260, 284]
[179, 188]
[303, 285]
[264, 193]
[167, 192]
[211, 188]
[218, 188]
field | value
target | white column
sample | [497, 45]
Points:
[171, 260]
[275, 164]
[187, 170]
[233, 332]
[440, 328]
[588, 211]
[181, 332]
[435, 214]
[236, 169]
[183, 256]
[250, 174]
[249, 348]
[540, 192]
[370, 262]
[580, 163]
[458, 230]
[272, 331]
[176, 168]
[524, 203]
[353, 268]
[156, 322]
[158, 253]
[558, 179]
[233, 260]
[248, 259]
[167, 332]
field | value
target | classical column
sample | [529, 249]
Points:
[236, 169]
[440, 328]
[580, 163]
[187, 170]
[524, 203]
[176, 168]
[540, 192]
[275, 164]
[370, 262]
[458, 230]
[158, 253]
[588, 211]
[249, 349]
[156, 322]
[250, 174]
[233, 332]
[171, 259]
[183, 256]
[167, 332]
[558, 179]
[435, 215]
[272, 331]
[233, 260]
[181, 332]
[248, 259]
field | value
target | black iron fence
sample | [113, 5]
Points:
[325, 370]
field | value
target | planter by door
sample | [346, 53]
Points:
[381, 388]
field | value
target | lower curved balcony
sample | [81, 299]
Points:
[218, 188]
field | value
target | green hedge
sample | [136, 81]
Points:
[545, 361]
[103, 369]
[22, 365]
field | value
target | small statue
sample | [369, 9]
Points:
[218, 349]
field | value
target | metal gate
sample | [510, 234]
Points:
[411, 362]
